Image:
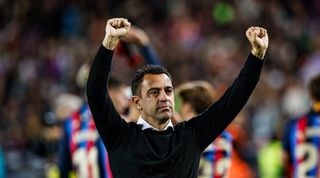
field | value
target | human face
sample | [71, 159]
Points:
[156, 100]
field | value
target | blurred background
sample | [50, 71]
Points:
[43, 43]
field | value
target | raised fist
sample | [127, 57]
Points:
[115, 29]
[259, 40]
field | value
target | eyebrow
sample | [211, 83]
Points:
[157, 88]
[154, 88]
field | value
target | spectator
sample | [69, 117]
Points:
[196, 97]
[301, 139]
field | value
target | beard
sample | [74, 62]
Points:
[164, 116]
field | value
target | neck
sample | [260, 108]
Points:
[158, 124]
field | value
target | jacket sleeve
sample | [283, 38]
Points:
[109, 124]
[209, 124]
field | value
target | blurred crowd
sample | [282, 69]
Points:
[44, 43]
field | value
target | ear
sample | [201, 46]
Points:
[111, 92]
[136, 99]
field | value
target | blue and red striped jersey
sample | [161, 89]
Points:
[83, 153]
[216, 159]
[301, 142]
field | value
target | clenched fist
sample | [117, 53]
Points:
[115, 29]
[259, 40]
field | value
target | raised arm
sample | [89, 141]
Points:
[108, 121]
[212, 122]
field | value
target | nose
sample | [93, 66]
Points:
[163, 97]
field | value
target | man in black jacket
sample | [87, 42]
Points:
[152, 147]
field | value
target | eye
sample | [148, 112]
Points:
[154, 93]
[169, 91]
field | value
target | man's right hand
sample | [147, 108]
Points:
[115, 29]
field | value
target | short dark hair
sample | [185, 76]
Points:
[314, 88]
[147, 69]
[199, 98]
